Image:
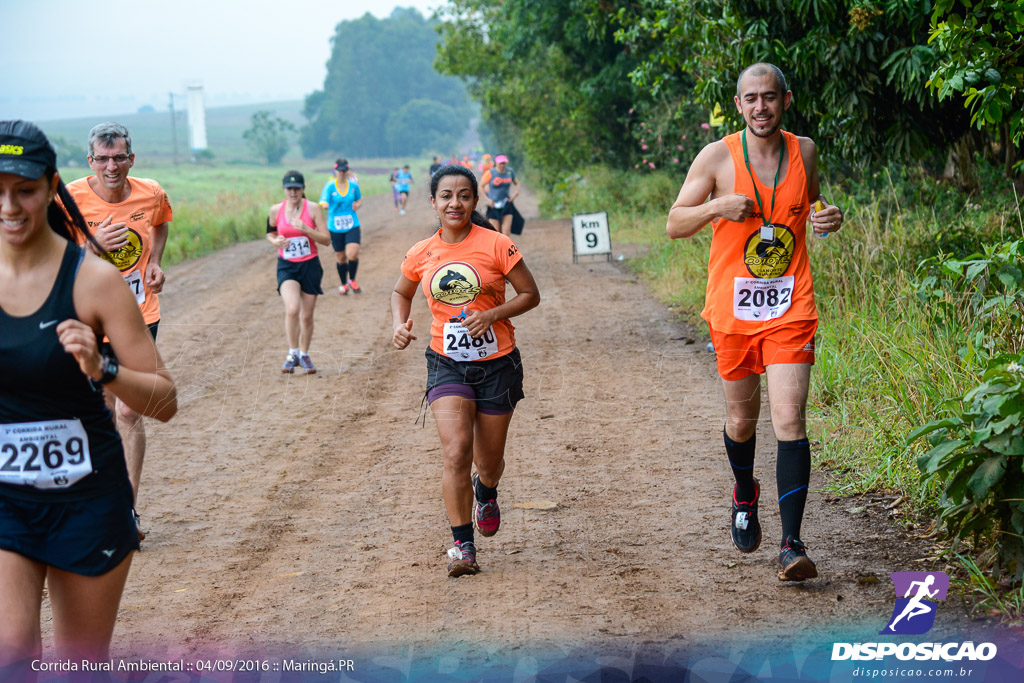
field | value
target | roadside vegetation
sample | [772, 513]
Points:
[916, 109]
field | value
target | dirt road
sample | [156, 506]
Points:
[305, 511]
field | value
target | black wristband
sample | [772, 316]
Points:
[110, 368]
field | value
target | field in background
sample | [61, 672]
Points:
[216, 205]
[152, 135]
[224, 199]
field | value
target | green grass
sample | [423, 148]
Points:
[216, 205]
[885, 362]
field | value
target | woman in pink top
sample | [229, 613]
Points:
[293, 227]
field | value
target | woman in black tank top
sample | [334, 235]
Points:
[65, 501]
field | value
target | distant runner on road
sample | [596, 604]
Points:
[342, 199]
[290, 227]
[131, 219]
[474, 371]
[498, 188]
[403, 179]
[435, 164]
[759, 303]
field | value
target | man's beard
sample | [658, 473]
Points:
[767, 133]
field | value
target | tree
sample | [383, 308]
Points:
[985, 65]
[859, 73]
[269, 137]
[423, 124]
[378, 66]
[550, 78]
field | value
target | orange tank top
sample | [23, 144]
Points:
[761, 278]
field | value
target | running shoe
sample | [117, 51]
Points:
[463, 559]
[402, 211]
[794, 565]
[290, 361]
[342, 290]
[138, 525]
[487, 515]
[307, 363]
[354, 286]
[746, 530]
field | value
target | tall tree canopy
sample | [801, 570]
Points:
[551, 79]
[378, 67]
[633, 82]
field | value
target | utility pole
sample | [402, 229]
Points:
[174, 131]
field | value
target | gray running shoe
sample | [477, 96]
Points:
[307, 364]
[290, 361]
[463, 559]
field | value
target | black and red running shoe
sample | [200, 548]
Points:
[746, 530]
[794, 565]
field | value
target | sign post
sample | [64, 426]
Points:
[590, 236]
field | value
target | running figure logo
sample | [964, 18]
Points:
[914, 613]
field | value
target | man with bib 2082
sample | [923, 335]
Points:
[129, 217]
[757, 187]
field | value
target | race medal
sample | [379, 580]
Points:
[344, 223]
[53, 454]
[757, 299]
[460, 346]
[767, 233]
[297, 248]
[134, 280]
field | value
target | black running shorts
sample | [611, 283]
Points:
[307, 273]
[496, 385]
[340, 239]
[88, 537]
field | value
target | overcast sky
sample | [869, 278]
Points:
[69, 58]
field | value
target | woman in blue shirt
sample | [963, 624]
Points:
[341, 198]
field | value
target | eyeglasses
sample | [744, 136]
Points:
[118, 159]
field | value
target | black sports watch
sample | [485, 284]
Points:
[110, 368]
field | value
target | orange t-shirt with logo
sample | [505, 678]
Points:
[761, 278]
[145, 207]
[467, 276]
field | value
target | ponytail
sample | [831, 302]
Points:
[481, 221]
[66, 219]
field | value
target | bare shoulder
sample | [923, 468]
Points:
[807, 147]
[714, 152]
[710, 172]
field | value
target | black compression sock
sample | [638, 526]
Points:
[741, 458]
[792, 474]
[342, 269]
[353, 265]
[463, 533]
[485, 493]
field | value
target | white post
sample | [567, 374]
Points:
[196, 117]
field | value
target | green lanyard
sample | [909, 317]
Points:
[767, 221]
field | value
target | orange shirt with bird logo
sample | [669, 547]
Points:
[147, 206]
[467, 276]
[761, 278]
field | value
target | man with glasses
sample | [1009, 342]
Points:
[129, 218]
